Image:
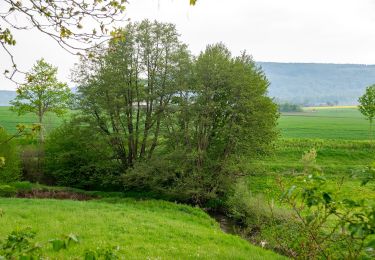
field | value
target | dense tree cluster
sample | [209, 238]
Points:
[174, 123]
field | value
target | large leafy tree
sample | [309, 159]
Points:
[229, 117]
[177, 124]
[127, 91]
[367, 106]
[42, 93]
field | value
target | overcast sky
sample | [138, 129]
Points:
[328, 31]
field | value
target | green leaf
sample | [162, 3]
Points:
[90, 255]
[58, 244]
[327, 198]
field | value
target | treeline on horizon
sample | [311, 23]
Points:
[305, 84]
[313, 84]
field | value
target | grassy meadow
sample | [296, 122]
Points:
[138, 229]
[162, 230]
[340, 136]
[344, 123]
[9, 120]
[342, 162]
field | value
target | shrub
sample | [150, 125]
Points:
[289, 107]
[7, 191]
[76, 156]
[257, 216]
[22, 186]
[20, 245]
[328, 227]
[173, 176]
[9, 159]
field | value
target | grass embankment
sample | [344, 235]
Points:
[141, 229]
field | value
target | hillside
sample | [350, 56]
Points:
[135, 229]
[315, 84]
[304, 83]
[6, 96]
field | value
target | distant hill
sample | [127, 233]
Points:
[315, 84]
[6, 96]
[303, 83]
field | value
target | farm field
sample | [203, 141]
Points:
[342, 162]
[344, 123]
[139, 229]
[9, 120]
[325, 123]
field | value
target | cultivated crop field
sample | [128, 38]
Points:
[9, 120]
[344, 123]
[342, 162]
[339, 135]
[325, 123]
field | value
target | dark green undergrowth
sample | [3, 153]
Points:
[256, 203]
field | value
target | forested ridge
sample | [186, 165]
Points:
[317, 83]
[304, 83]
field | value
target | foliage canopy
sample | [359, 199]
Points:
[367, 105]
[42, 93]
[172, 119]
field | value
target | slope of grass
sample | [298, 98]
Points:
[328, 123]
[140, 229]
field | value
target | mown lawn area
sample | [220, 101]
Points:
[146, 229]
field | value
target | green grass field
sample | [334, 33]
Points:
[140, 229]
[323, 123]
[9, 120]
[329, 123]
[154, 230]
[342, 161]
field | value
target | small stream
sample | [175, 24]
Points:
[227, 225]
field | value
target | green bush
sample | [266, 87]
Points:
[9, 159]
[173, 176]
[22, 185]
[20, 244]
[7, 191]
[255, 214]
[289, 107]
[75, 156]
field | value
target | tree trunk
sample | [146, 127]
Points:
[41, 133]
[371, 134]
